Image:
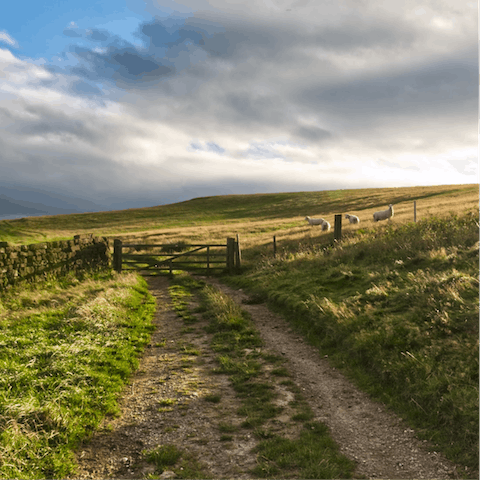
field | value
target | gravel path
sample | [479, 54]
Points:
[381, 444]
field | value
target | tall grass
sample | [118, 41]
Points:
[67, 349]
[397, 309]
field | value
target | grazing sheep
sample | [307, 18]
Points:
[314, 221]
[325, 226]
[384, 214]
[352, 218]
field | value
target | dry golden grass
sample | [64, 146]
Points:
[257, 233]
[256, 218]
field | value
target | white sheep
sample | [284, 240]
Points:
[383, 214]
[314, 221]
[325, 226]
[352, 218]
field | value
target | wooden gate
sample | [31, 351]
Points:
[153, 258]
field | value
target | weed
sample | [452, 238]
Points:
[281, 372]
[213, 398]
[163, 456]
[313, 455]
[227, 427]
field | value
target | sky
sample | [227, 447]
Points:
[132, 103]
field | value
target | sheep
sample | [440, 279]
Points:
[314, 221]
[325, 226]
[384, 214]
[352, 218]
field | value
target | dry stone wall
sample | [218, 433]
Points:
[41, 260]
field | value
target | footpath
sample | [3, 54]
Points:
[174, 399]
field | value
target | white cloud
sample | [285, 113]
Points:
[6, 38]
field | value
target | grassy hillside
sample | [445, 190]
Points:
[244, 213]
[396, 308]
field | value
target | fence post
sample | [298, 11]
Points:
[415, 211]
[274, 246]
[208, 260]
[238, 254]
[337, 233]
[230, 254]
[117, 255]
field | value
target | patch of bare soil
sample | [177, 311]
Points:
[381, 443]
[169, 402]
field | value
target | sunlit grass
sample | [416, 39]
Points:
[67, 349]
[397, 309]
[256, 217]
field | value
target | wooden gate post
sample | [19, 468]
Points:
[230, 254]
[274, 246]
[337, 233]
[238, 254]
[415, 211]
[117, 255]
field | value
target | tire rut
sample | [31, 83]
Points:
[381, 444]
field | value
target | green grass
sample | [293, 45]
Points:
[67, 349]
[312, 455]
[164, 456]
[213, 398]
[397, 309]
[170, 457]
[227, 427]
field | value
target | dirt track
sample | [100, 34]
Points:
[380, 443]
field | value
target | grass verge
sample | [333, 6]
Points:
[397, 309]
[67, 349]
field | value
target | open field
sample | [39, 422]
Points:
[255, 217]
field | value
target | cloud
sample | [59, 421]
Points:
[6, 38]
[225, 98]
[98, 35]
